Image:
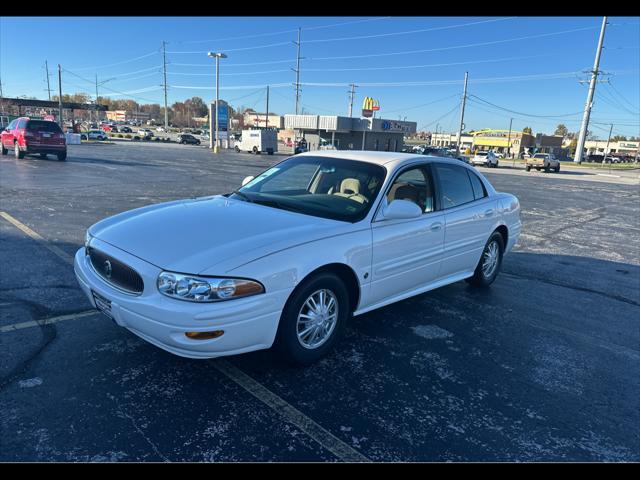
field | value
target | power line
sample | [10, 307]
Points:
[494, 42]
[227, 74]
[407, 32]
[257, 47]
[271, 34]
[526, 114]
[402, 67]
[118, 63]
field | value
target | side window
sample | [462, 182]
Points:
[414, 185]
[12, 125]
[478, 188]
[22, 124]
[455, 186]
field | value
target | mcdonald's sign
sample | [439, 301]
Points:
[369, 105]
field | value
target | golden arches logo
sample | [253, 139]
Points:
[370, 104]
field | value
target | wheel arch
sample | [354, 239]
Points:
[345, 273]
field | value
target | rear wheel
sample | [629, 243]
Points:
[237, 149]
[255, 150]
[490, 262]
[527, 168]
[4, 150]
[62, 156]
[557, 169]
[546, 168]
[16, 150]
[313, 319]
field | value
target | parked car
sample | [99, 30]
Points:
[287, 258]
[546, 161]
[485, 158]
[26, 136]
[160, 129]
[186, 138]
[94, 135]
[126, 130]
[145, 132]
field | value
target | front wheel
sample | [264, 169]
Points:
[313, 319]
[4, 150]
[527, 168]
[490, 262]
[237, 149]
[557, 169]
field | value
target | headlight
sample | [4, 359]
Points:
[87, 239]
[203, 289]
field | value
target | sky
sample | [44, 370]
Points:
[414, 66]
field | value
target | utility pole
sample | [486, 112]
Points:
[60, 122]
[298, 71]
[266, 120]
[589, 104]
[464, 101]
[97, 114]
[353, 92]
[46, 66]
[509, 142]
[606, 150]
[164, 68]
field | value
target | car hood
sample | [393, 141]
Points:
[192, 236]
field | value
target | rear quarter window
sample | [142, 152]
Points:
[478, 187]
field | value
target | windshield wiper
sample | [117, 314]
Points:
[243, 195]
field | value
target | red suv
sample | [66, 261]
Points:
[26, 136]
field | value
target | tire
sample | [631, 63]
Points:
[198, 142]
[496, 165]
[237, 149]
[61, 156]
[16, 150]
[287, 343]
[483, 277]
[43, 155]
[527, 168]
[255, 150]
[546, 168]
[4, 150]
[557, 169]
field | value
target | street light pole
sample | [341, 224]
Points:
[218, 56]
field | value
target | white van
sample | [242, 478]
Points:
[258, 141]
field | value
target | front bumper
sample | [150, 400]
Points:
[249, 323]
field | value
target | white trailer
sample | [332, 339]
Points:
[258, 141]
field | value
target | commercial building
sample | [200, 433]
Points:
[252, 118]
[622, 147]
[347, 133]
[450, 140]
[127, 116]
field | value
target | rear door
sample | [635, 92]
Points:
[469, 216]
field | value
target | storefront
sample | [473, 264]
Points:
[324, 132]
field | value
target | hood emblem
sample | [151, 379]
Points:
[108, 269]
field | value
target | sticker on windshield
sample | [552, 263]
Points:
[260, 178]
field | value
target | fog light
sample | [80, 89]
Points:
[204, 335]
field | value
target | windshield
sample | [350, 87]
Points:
[323, 187]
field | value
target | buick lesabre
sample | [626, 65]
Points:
[286, 259]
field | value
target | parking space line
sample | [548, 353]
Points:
[290, 414]
[47, 321]
[35, 236]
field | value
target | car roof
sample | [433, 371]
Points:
[390, 160]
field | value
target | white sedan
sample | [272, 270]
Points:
[286, 259]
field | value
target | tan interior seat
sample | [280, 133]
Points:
[350, 188]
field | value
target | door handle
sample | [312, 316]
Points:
[435, 227]
[488, 213]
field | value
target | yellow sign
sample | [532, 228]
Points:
[370, 104]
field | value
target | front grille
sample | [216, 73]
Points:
[122, 276]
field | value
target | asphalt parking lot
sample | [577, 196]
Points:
[541, 367]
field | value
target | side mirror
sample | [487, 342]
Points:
[401, 209]
[247, 180]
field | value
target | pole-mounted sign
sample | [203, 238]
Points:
[369, 105]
